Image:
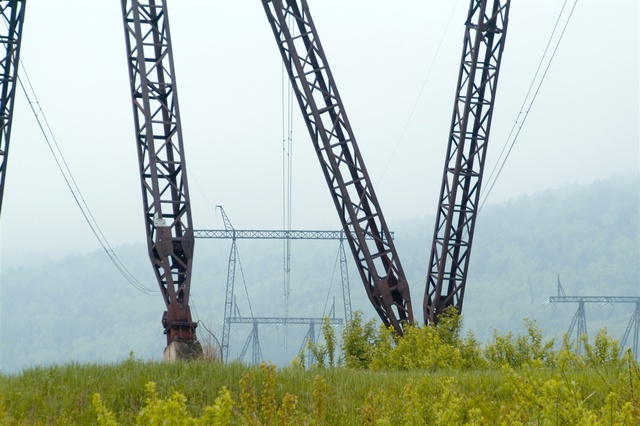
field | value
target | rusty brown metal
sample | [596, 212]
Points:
[340, 160]
[485, 32]
[163, 176]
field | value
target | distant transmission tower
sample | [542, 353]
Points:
[579, 320]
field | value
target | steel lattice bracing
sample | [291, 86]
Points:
[346, 291]
[282, 320]
[593, 299]
[340, 159]
[12, 14]
[231, 277]
[228, 304]
[485, 31]
[271, 234]
[634, 324]
[161, 159]
[579, 319]
[231, 233]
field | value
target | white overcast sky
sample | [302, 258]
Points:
[583, 127]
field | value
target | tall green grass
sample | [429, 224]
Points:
[430, 376]
[62, 395]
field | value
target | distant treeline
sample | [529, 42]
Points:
[80, 308]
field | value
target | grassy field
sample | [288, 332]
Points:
[431, 375]
[60, 395]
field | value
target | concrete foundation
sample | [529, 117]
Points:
[182, 350]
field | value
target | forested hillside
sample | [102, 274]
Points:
[587, 234]
[80, 308]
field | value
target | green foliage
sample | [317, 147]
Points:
[604, 350]
[288, 411]
[527, 349]
[357, 342]
[268, 396]
[170, 411]
[551, 387]
[329, 335]
[319, 401]
[249, 399]
[105, 416]
[221, 412]
[323, 352]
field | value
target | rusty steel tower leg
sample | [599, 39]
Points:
[163, 174]
[485, 31]
[340, 160]
[12, 14]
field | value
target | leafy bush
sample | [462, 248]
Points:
[528, 349]
[431, 376]
[170, 411]
[358, 341]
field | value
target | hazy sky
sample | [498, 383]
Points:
[584, 125]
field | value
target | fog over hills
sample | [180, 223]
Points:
[81, 309]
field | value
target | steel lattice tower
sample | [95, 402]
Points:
[165, 194]
[12, 14]
[233, 317]
[340, 159]
[485, 31]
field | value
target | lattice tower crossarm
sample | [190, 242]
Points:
[274, 234]
[282, 320]
[12, 14]
[485, 32]
[579, 319]
[165, 194]
[340, 159]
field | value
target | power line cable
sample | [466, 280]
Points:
[527, 103]
[333, 273]
[244, 282]
[71, 183]
[424, 84]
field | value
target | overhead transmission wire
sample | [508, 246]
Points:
[244, 282]
[424, 84]
[54, 147]
[528, 101]
[287, 182]
[333, 274]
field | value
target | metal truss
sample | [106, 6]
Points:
[340, 159]
[231, 277]
[233, 234]
[485, 32]
[346, 290]
[12, 16]
[579, 319]
[256, 352]
[593, 299]
[254, 340]
[266, 234]
[163, 175]
[283, 320]
[634, 324]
